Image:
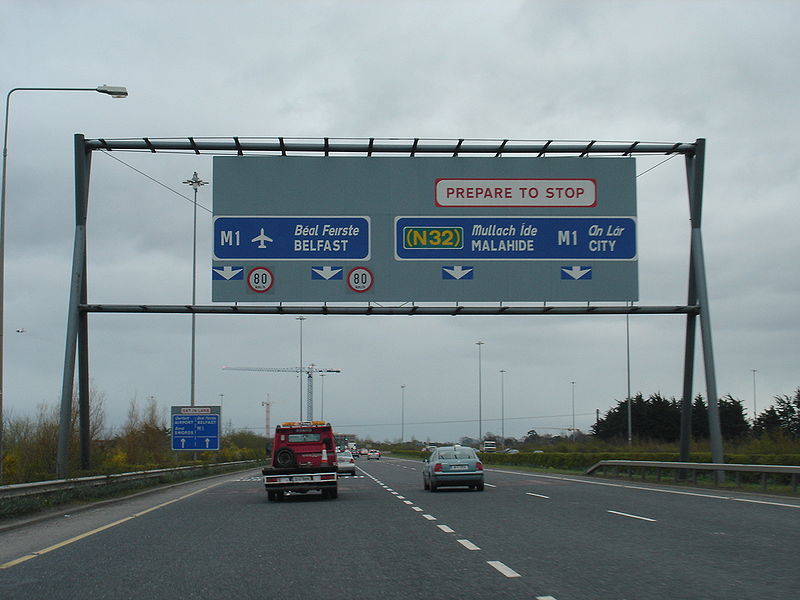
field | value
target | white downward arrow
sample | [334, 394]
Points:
[576, 272]
[227, 271]
[327, 272]
[457, 272]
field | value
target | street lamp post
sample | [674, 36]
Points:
[402, 413]
[301, 318]
[322, 397]
[480, 392]
[195, 182]
[502, 409]
[573, 410]
[114, 92]
[755, 411]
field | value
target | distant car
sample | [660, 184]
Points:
[347, 464]
[376, 454]
[452, 466]
[363, 452]
[512, 451]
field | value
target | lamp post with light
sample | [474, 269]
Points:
[110, 90]
[480, 394]
[195, 182]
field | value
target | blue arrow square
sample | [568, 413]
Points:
[460, 272]
[576, 272]
[327, 273]
[227, 273]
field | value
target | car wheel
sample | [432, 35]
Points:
[433, 485]
[271, 496]
[425, 484]
[279, 495]
[480, 486]
[333, 493]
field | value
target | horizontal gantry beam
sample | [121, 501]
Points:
[374, 309]
[371, 146]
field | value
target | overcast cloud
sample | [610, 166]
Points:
[653, 71]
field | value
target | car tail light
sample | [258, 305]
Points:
[327, 477]
[479, 466]
[437, 467]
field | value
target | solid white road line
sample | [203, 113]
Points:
[468, 545]
[614, 512]
[537, 495]
[508, 572]
[445, 528]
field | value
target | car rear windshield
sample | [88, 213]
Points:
[461, 453]
[303, 438]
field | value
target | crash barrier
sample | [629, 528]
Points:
[683, 471]
[38, 488]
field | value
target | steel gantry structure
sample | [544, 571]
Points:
[696, 307]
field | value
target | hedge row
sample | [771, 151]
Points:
[583, 460]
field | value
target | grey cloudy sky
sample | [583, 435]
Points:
[653, 71]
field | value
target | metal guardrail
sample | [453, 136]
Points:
[680, 468]
[55, 485]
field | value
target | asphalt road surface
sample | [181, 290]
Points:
[527, 536]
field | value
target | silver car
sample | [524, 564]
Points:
[347, 464]
[452, 466]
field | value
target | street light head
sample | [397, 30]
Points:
[114, 91]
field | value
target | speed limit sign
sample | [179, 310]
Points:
[360, 279]
[260, 279]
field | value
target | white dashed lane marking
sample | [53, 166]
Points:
[507, 571]
[445, 528]
[429, 517]
[468, 545]
[622, 514]
[537, 495]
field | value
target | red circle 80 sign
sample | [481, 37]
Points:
[360, 279]
[260, 279]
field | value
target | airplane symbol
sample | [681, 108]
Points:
[261, 238]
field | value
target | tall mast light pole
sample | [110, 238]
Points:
[195, 182]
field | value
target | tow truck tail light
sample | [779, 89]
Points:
[479, 466]
[437, 468]
[272, 479]
[326, 477]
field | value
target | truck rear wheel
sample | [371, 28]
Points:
[330, 493]
[285, 458]
[271, 496]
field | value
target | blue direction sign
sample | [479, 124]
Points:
[515, 238]
[195, 427]
[291, 238]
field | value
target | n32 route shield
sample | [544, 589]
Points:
[291, 238]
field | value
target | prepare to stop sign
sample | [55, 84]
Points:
[360, 279]
[260, 279]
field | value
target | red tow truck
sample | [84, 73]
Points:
[303, 459]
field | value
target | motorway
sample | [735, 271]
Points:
[527, 536]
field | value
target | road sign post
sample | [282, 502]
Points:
[196, 428]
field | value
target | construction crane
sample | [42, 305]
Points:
[309, 371]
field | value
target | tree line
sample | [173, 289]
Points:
[658, 418]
